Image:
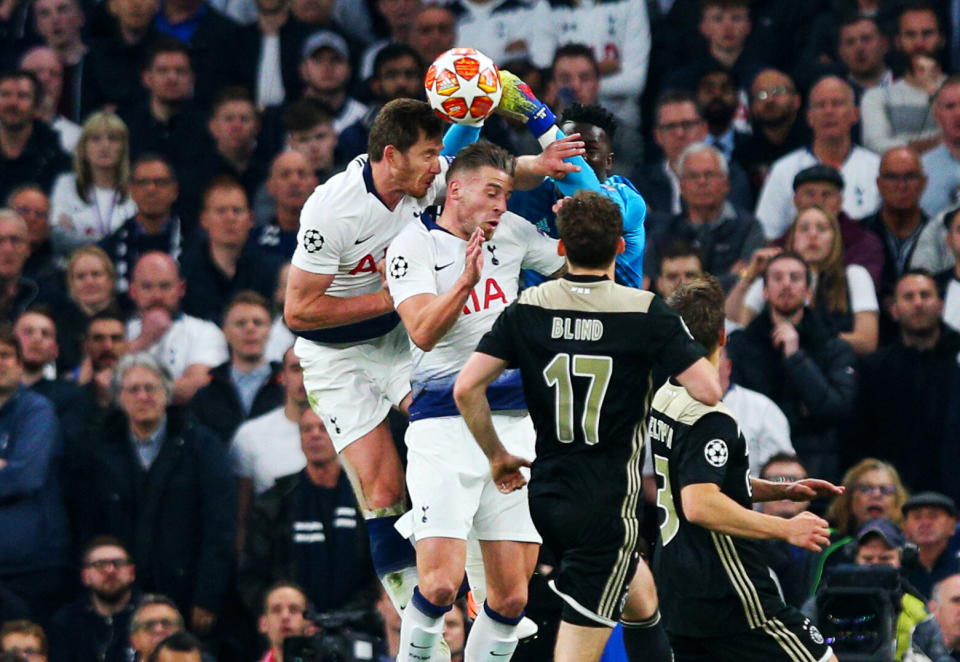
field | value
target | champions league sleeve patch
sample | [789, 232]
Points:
[398, 267]
[312, 241]
[716, 452]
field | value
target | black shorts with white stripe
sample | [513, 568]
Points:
[596, 554]
[789, 636]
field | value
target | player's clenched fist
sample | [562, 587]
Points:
[808, 531]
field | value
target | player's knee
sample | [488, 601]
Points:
[510, 603]
[383, 492]
[438, 588]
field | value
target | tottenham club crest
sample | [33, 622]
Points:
[398, 267]
[716, 452]
[312, 240]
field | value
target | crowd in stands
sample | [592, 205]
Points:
[162, 477]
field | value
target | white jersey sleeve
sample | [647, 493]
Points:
[411, 265]
[321, 239]
[541, 249]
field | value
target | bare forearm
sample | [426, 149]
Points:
[475, 409]
[430, 323]
[720, 513]
[526, 175]
[766, 490]
[329, 311]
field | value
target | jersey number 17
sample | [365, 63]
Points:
[598, 369]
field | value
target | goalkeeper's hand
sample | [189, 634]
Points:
[519, 103]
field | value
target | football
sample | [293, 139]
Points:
[463, 86]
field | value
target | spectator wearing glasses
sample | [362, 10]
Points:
[95, 626]
[155, 619]
[25, 639]
[33, 206]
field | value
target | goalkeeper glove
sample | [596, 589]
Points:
[519, 103]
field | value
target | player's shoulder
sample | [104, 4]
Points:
[676, 403]
[414, 238]
[343, 194]
[603, 296]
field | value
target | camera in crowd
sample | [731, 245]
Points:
[857, 612]
[343, 636]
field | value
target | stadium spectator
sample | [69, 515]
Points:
[944, 604]
[455, 630]
[718, 99]
[178, 647]
[899, 221]
[116, 59]
[861, 48]
[247, 385]
[29, 149]
[306, 529]
[905, 392]
[942, 163]
[266, 53]
[59, 23]
[844, 294]
[104, 344]
[899, 115]
[187, 346]
[167, 122]
[790, 563]
[154, 226]
[309, 129]
[44, 63]
[33, 560]
[399, 16]
[162, 483]
[234, 125]
[930, 523]
[679, 263]
[507, 30]
[93, 200]
[33, 206]
[225, 261]
[919, 31]
[91, 287]
[948, 280]
[774, 108]
[724, 235]
[17, 292]
[96, 625]
[434, 31]
[325, 71]
[155, 619]
[290, 183]
[282, 615]
[832, 114]
[678, 124]
[790, 354]
[24, 638]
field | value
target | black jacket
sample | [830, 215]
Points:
[815, 387]
[341, 564]
[179, 519]
[217, 405]
[657, 191]
[77, 633]
[113, 72]
[39, 163]
[240, 63]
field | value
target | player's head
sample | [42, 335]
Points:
[700, 304]
[596, 126]
[479, 182]
[408, 136]
[591, 229]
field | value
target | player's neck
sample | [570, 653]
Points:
[385, 185]
[608, 272]
[448, 221]
[714, 357]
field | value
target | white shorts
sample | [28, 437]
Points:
[451, 491]
[352, 387]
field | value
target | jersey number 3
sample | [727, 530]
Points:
[598, 369]
[671, 523]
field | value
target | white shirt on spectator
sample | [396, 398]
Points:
[189, 341]
[492, 27]
[279, 341]
[951, 304]
[775, 209]
[763, 424]
[88, 221]
[266, 448]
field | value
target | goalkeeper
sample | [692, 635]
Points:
[596, 127]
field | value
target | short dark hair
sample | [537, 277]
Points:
[700, 303]
[401, 123]
[111, 312]
[153, 157]
[854, 17]
[42, 309]
[102, 541]
[21, 188]
[23, 626]
[19, 74]
[918, 6]
[392, 52]
[918, 271]
[248, 297]
[789, 255]
[229, 94]
[9, 338]
[573, 49]
[181, 642]
[593, 114]
[679, 249]
[672, 96]
[221, 182]
[724, 4]
[304, 114]
[149, 600]
[782, 457]
[481, 154]
[590, 226]
[283, 583]
[166, 44]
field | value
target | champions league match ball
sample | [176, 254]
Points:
[463, 86]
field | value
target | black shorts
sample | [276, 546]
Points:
[596, 556]
[789, 636]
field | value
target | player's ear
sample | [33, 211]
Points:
[621, 245]
[561, 249]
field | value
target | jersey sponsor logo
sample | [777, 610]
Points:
[399, 267]
[491, 293]
[366, 264]
[312, 240]
[716, 452]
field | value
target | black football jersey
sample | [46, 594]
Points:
[710, 583]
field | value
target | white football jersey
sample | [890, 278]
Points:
[427, 259]
[345, 229]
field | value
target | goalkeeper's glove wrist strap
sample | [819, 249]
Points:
[541, 120]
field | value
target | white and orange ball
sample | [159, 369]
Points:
[463, 86]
